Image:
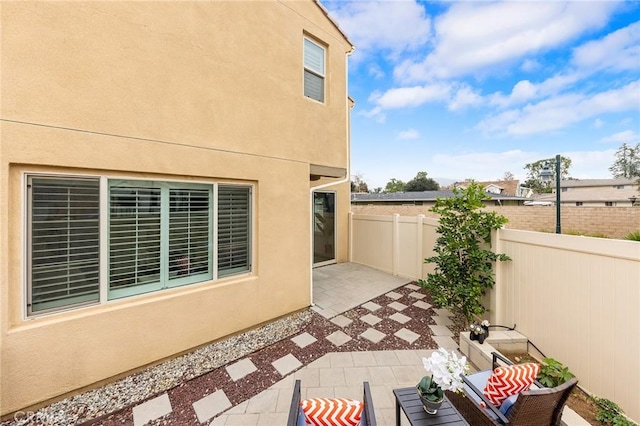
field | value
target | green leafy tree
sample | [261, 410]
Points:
[358, 184]
[463, 263]
[394, 185]
[534, 180]
[421, 183]
[627, 163]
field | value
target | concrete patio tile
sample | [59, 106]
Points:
[264, 402]
[270, 419]
[341, 359]
[442, 320]
[371, 306]
[332, 377]
[243, 420]
[320, 392]
[303, 340]
[341, 321]
[211, 405]
[417, 295]
[238, 409]
[286, 364]
[240, 369]
[385, 358]
[382, 396]
[393, 295]
[440, 330]
[338, 338]
[443, 312]
[370, 319]
[322, 362]
[407, 357]
[382, 376]
[412, 287]
[151, 410]
[310, 377]
[373, 335]
[406, 335]
[406, 375]
[422, 305]
[397, 306]
[355, 376]
[327, 313]
[445, 342]
[354, 391]
[363, 359]
[400, 318]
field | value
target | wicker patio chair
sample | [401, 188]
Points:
[534, 407]
[296, 417]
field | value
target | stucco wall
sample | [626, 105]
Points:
[196, 91]
[612, 222]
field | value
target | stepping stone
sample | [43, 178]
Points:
[151, 410]
[397, 306]
[440, 330]
[406, 335]
[211, 405]
[422, 305]
[286, 364]
[417, 295]
[370, 319]
[371, 306]
[341, 321]
[442, 320]
[445, 342]
[303, 340]
[240, 369]
[443, 312]
[401, 318]
[412, 287]
[373, 335]
[393, 295]
[338, 338]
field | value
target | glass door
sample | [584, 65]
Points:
[324, 225]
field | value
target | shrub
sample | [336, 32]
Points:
[634, 236]
[610, 413]
[553, 373]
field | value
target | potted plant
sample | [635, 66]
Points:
[445, 368]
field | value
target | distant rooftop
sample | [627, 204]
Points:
[418, 196]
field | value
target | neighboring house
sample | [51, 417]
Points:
[426, 198]
[501, 187]
[595, 192]
[165, 169]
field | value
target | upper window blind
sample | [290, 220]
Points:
[64, 242]
[234, 229]
[314, 70]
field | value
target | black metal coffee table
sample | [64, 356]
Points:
[407, 399]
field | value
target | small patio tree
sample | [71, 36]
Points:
[463, 263]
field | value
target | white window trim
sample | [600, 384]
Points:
[104, 240]
[323, 75]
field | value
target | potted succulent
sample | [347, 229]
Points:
[445, 368]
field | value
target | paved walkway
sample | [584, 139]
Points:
[367, 309]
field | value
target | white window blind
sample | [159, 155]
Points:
[234, 229]
[63, 242]
[314, 70]
[134, 237]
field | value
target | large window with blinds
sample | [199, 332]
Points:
[314, 70]
[144, 235]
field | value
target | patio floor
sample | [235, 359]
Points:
[337, 289]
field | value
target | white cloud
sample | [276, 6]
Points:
[524, 91]
[561, 111]
[619, 51]
[474, 36]
[465, 96]
[390, 26]
[590, 164]
[409, 134]
[628, 136]
[597, 123]
[410, 96]
[376, 72]
[530, 65]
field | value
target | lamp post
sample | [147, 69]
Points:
[546, 175]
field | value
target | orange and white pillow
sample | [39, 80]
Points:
[332, 411]
[510, 380]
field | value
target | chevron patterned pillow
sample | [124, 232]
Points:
[510, 380]
[332, 411]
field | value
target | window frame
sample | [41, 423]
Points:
[322, 75]
[105, 183]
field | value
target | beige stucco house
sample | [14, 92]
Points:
[170, 172]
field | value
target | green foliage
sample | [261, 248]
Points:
[394, 185]
[627, 163]
[429, 389]
[534, 180]
[634, 236]
[463, 264]
[553, 373]
[421, 183]
[610, 413]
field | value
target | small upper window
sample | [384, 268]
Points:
[314, 73]
[608, 203]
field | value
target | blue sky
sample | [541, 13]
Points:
[474, 89]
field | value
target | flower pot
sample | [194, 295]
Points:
[431, 407]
